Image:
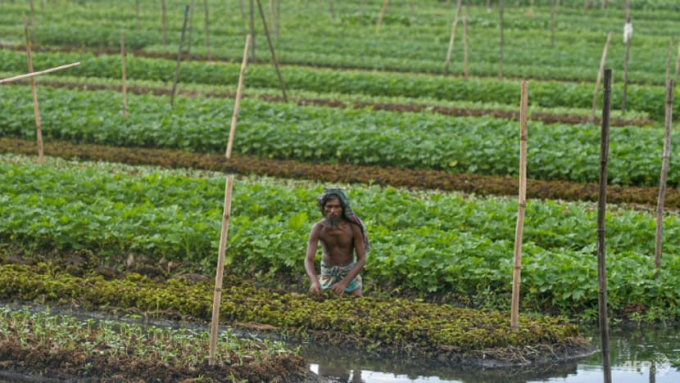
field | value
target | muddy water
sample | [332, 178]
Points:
[637, 355]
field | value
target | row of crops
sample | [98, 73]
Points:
[360, 136]
[428, 243]
[425, 243]
[348, 37]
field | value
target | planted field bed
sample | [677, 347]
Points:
[347, 37]
[441, 247]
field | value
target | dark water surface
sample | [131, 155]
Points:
[649, 355]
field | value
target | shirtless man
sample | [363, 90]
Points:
[342, 235]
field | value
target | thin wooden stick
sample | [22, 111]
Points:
[668, 59]
[137, 14]
[34, 74]
[179, 57]
[191, 25]
[122, 59]
[34, 92]
[332, 11]
[599, 75]
[552, 23]
[664, 175]
[677, 64]
[217, 298]
[522, 202]
[453, 37]
[601, 212]
[382, 14]
[252, 30]
[500, 57]
[237, 102]
[271, 48]
[465, 45]
[626, 59]
[207, 28]
[33, 37]
[163, 33]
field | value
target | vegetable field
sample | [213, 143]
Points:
[428, 152]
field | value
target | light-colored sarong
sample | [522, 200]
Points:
[331, 275]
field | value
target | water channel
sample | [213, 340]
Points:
[638, 355]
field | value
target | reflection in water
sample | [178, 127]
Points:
[638, 355]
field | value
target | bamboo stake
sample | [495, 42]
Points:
[599, 75]
[207, 28]
[33, 37]
[664, 175]
[514, 313]
[237, 102]
[382, 14]
[34, 93]
[668, 59]
[163, 33]
[453, 37]
[677, 64]
[552, 23]
[217, 298]
[465, 45]
[34, 74]
[137, 14]
[601, 210]
[252, 30]
[179, 57]
[626, 58]
[330, 5]
[122, 57]
[271, 48]
[191, 28]
[500, 57]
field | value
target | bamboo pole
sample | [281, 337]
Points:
[163, 31]
[252, 30]
[382, 14]
[552, 23]
[599, 75]
[179, 57]
[34, 74]
[668, 59]
[217, 298]
[628, 38]
[332, 11]
[191, 28]
[122, 59]
[664, 174]
[271, 48]
[601, 211]
[466, 71]
[522, 202]
[137, 14]
[33, 37]
[237, 102]
[207, 29]
[34, 93]
[500, 57]
[453, 37]
[677, 64]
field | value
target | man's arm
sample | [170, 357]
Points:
[312, 244]
[360, 252]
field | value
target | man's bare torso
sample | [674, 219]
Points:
[337, 243]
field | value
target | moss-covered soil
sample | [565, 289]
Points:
[344, 173]
[443, 333]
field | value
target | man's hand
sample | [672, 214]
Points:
[315, 288]
[339, 288]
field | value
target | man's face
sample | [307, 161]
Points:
[332, 211]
